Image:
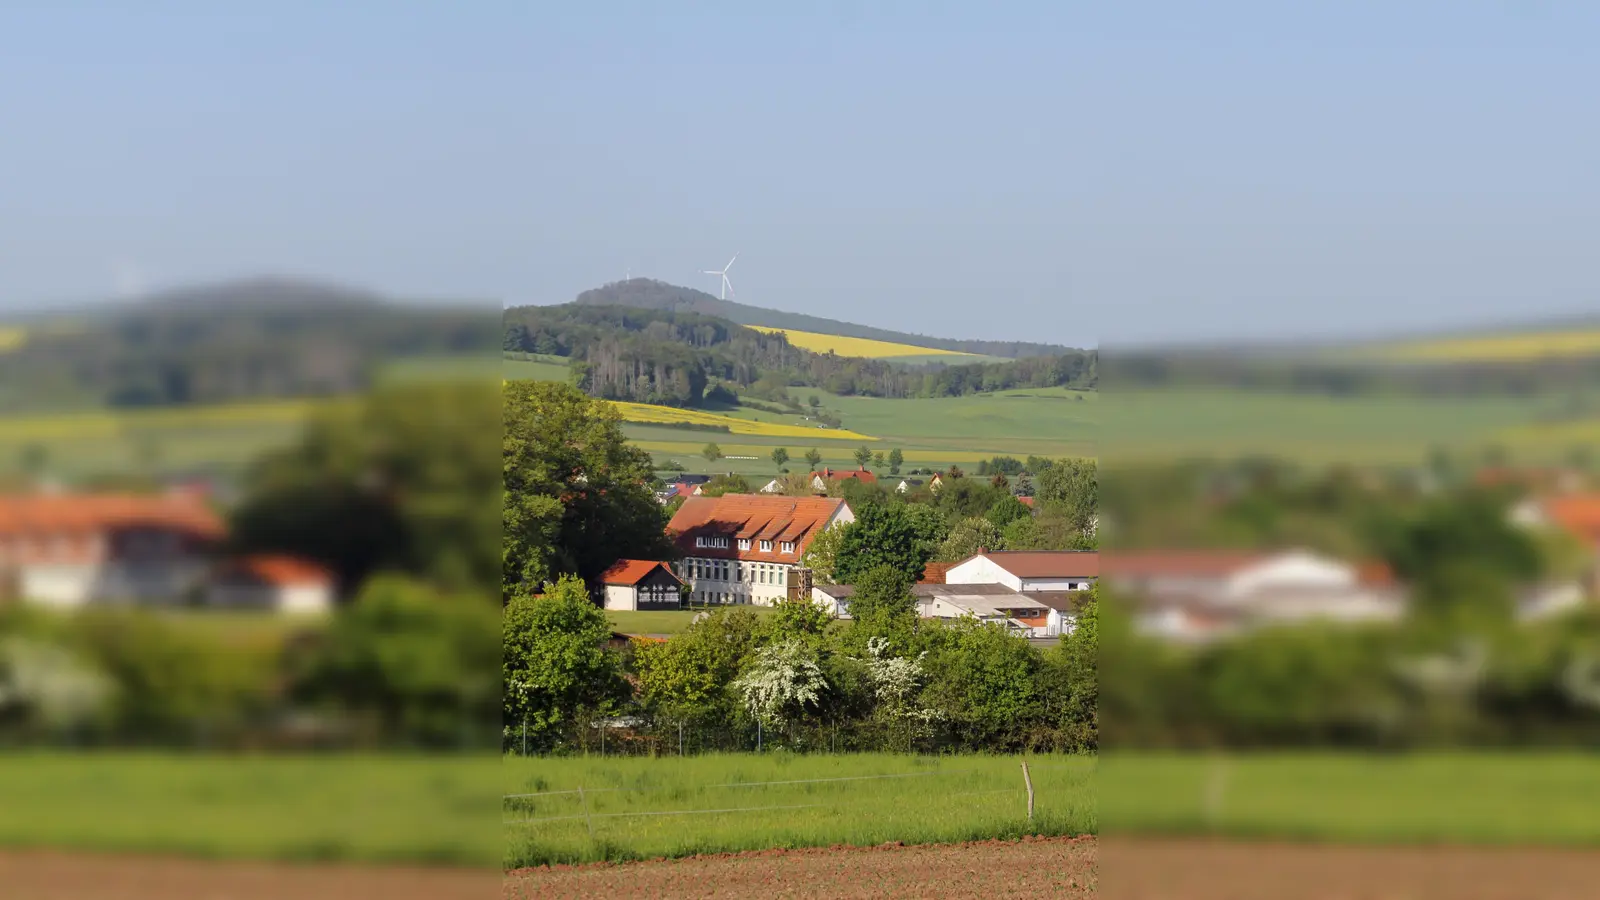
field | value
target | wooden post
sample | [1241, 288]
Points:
[1028, 782]
[586, 820]
[680, 737]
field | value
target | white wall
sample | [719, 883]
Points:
[306, 599]
[983, 570]
[61, 586]
[621, 597]
[1296, 570]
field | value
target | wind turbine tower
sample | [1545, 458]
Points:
[727, 286]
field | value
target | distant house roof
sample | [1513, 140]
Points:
[1219, 564]
[752, 517]
[1026, 501]
[933, 573]
[1045, 563]
[53, 513]
[629, 572]
[861, 475]
[682, 478]
[277, 571]
[1578, 514]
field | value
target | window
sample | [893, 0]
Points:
[744, 543]
[713, 543]
[766, 546]
[788, 547]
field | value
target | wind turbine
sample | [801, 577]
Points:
[727, 286]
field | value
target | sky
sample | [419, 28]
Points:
[1054, 171]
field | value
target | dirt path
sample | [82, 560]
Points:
[1057, 867]
[1146, 869]
[48, 875]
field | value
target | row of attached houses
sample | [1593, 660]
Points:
[70, 550]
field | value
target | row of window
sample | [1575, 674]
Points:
[749, 573]
[721, 543]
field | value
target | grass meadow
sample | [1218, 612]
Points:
[662, 621]
[1503, 798]
[365, 808]
[640, 808]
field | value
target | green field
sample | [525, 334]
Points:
[1317, 429]
[932, 433]
[535, 368]
[663, 621]
[1462, 798]
[301, 808]
[725, 802]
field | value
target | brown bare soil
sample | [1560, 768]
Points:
[1038, 867]
[50, 875]
[1145, 869]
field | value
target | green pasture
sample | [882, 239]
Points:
[535, 368]
[1461, 798]
[727, 802]
[365, 808]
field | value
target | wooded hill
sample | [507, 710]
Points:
[673, 358]
[254, 339]
[647, 293]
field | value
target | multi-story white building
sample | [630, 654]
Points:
[743, 548]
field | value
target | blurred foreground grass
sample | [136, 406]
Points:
[929, 799]
[359, 808]
[1548, 798]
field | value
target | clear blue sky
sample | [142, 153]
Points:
[1053, 171]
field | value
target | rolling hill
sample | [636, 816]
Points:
[647, 293]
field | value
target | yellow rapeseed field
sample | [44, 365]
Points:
[849, 346]
[1500, 348]
[668, 415]
[11, 338]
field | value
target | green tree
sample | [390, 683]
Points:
[862, 455]
[711, 452]
[577, 494]
[780, 456]
[401, 482]
[968, 537]
[896, 460]
[420, 665]
[1072, 487]
[882, 535]
[725, 484]
[782, 684]
[813, 458]
[1006, 510]
[878, 461]
[557, 669]
[686, 678]
[984, 683]
[798, 619]
[822, 554]
[814, 401]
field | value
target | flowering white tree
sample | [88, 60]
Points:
[47, 685]
[896, 683]
[780, 682]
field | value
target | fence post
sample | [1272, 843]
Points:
[1028, 782]
[586, 820]
[758, 735]
[524, 737]
[680, 737]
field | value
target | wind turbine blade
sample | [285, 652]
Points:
[730, 263]
[727, 283]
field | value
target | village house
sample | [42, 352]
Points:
[1202, 595]
[1036, 614]
[1029, 570]
[820, 480]
[72, 549]
[743, 548]
[273, 583]
[641, 584]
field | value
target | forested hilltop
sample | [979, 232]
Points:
[675, 358]
[241, 340]
[647, 293]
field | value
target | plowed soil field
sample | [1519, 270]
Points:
[1039, 867]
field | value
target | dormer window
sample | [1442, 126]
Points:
[766, 546]
[744, 543]
[788, 547]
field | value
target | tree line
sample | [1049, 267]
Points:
[674, 358]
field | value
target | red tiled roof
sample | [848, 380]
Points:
[631, 571]
[1577, 513]
[34, 514]
[280, 571]
[1026, 501]
[754, 517]
[861, 475]
[933, 573]
[1191, 563]
[1047, 563]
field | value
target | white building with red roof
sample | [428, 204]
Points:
[74, 549]
[743, 548]
[641, 584]
[276, 583]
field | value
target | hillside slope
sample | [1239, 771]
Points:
[647, 293]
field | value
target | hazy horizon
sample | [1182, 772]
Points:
[1147, 172]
